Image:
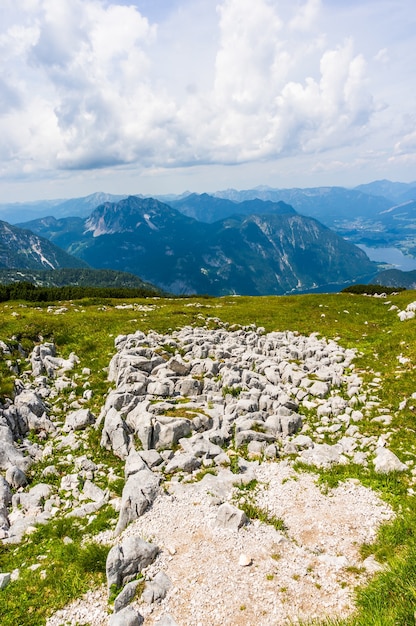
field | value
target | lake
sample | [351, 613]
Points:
[392, 256]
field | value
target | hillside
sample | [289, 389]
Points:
[381, 213]
[395, 191]
[256, 255]
[80, 277]
[207, 208]
[396, 278]
[254, 454]
[330, 205]
[21, 248]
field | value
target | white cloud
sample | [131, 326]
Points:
[83, 85]
[382, 56]
[259, 112]
[306, 16]
[406, 145]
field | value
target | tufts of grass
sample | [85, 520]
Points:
[255, 512]
[232, 391]
[250, 486]
[199, 475]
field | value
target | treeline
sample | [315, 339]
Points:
[372, 290]
[31, 293]
[85, 277]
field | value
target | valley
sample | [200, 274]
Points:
[262, 241]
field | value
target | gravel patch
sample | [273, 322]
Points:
[307, 571]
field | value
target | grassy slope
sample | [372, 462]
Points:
[89, 329]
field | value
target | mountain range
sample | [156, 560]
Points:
[276, 252]
[257, 241]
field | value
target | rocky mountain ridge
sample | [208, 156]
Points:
[272, 253]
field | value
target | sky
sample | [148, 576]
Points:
[163, 96]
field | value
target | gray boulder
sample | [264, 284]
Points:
[141, 422]
[229, 516]
[179, 366]
[319, 389]
[126, 560]
[4, 580]
[10, 456]
[134, 464]
[273, 424]
[168, 430]
[139, 492]
[157, 588]
[199, 446]
[33, 500]
[15, 477]
[386, 461]
[126, 617]
[188, 387]
[5, 493]
[186, 462]
[152, 458]
[78, 420]
[28, 400]
[125, 596]
[290, 424]
[91, 491]
[245, 436]
[4, 521]
[115, 435]
[323, 455]
[162, 388]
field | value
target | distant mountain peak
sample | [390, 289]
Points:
[128, 215]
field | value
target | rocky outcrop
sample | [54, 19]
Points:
[199, 398]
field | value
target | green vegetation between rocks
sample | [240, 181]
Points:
[386, 359]
[61, 562]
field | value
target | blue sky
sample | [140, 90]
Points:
[162, 96]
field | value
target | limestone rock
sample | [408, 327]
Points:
[386, 461]
[78, 420]
[229, 516]
[115, 434]
[323, 455]
[186, 462]
[140, 490]
[125, 596]
[126, 560]
[15, 477]
[157, 588]
[5, 492]
[126, 617]
[4, 580]
[168, 430]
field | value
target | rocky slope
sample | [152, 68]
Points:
[20, 248]
[213, 513]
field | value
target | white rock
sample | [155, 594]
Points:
[245, 560]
